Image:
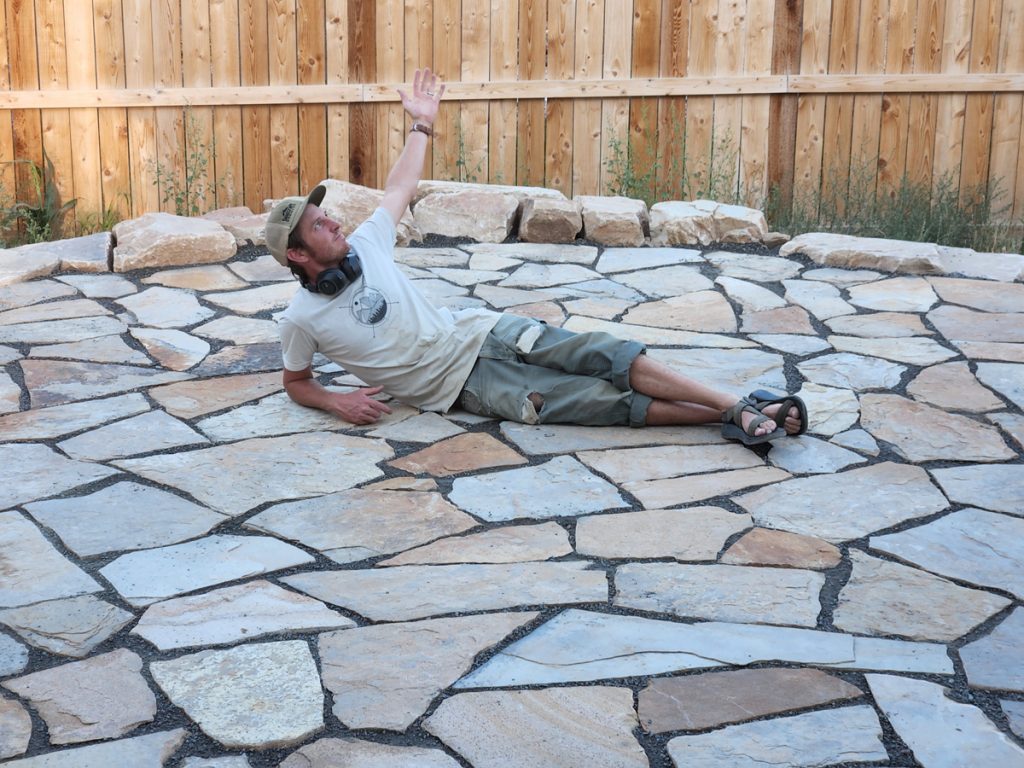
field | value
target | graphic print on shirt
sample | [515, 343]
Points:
[370, 308]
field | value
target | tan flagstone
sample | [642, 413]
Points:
[52, 382]
[897, 294]
[456, 455]
[15, 728]
[25, 294]
[165, 307]
[960, 324]
[999, 487]
[627, 259]
[53, 310]
[102, 349]
[421, 428]
[247, 358]
[605, 309]
[994, 350]
[754, 267]
[503, 298]
[173, 349]
[793, 343]
[891, 325]
[32, 471]
[547, 275]
[403, 484]
[239, 330]
[154, 750]
[59, 420]
[842, 277]
[59, 331]
[731, 370]
[434, 257]
[508, 544]
[914, 350]
[655, 336]
[665, 282]
[654, 494]
[763, 546]
[659, 462]
[547, 311]
[985, 295]
[1011, 423]
[148, 432]
[263, 269]
[17, 266]
[786, 320]
[819, 299]
[254, 300]
[994, 661]
[702, 311]
[696, 533]
[354, 753]
[99, 286]
[1005, 378]
[830, 410]
[212, 277]
[10, 395]
[197, 398]
[952, 387]
[540, 439]
[70, 627]
[752, 297]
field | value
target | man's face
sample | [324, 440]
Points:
[326, 246]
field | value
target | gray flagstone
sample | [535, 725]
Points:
[146, 433]
[150, 751]
[355, 753]
[52, 382]
[631, 464]
[30, 471]
[102, 349]
[850, 371]
[1005, 378]
[696, 533]
[62, 331]
[165, 308]
[540, 439]
[914, 350]
[999, 487]
[15, 728]
[60, 420]
[13, 655]
[508, 544]
[69, 627]
[997, 659]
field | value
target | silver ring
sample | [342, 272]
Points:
[429, 93]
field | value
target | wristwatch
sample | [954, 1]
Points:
[422, 128]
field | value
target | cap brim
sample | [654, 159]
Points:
[315, 197]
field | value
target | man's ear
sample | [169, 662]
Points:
[298, 255]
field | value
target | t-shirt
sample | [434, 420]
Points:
[383, 330]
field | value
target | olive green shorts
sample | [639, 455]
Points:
[576, 378]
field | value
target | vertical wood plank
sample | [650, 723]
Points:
[867, 108]
[312, 138]
[642, 143]
[978, 119]
[338, 115]
[838, 132]
[618, 56]
[447, 44]
[783, 109]
[810, 146]
[586, 120]
[84, 123]
[53, 75]
[503, 115]
[561, 64]
[476, 63]
[197, 73]
[949, 124]
[1007, 164]
[700, 109]
[115, 173]
[728, 110]
[532, 46]
[362, 65]
[419, 52]
[167, 68]
[675, 39]
[754, 146]
[7, 178]
[138, 34]
[227, 121]
[923, 108]
[390, 46]
[255, 70]
[284, 119]
[894, 130]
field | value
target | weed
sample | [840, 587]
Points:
[97, 221]
[463, 170]
[41, 219]
[189, 194]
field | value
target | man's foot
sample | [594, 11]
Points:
[791, 421]
[794, 421]
[745, 422]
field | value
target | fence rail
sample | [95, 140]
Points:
[743, 95]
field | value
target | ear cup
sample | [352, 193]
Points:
[337, 279]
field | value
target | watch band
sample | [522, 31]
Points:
[422, 128]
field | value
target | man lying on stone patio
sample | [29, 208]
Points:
[363, 313]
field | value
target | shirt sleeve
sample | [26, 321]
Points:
[377, 235]
[297, 346]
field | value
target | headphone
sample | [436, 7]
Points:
[337, 279]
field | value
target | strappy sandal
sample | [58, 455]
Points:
[732, 424]
[762, 397]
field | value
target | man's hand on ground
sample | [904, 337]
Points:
[358, 407]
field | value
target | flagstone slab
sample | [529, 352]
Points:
[143, 578]
[561, 487]
[13, 655]
[1014, 711]
[805, 455]
[102, 349]
[970, 545]
[790, 320]
[985, 295]
[15, 728]
[885, 598]
[658, 462]
[31, 471]
[540, 439]
[173, 349]
[254, 300]
[666, 281]
[849, 371]
[853, 252]
[247, 358]
[891, 325]
[10, 394]
[995, 350]
[101, 286]
[811, 740]
[960, 324]
[952, 386]
[1005, 378]
[148, 432]
[626, 259]
[71, 627]
[759, 269]
[939, 730]
[503, 298]
[228, 615]
[847, 505]
[188, 400]
[697, 533]
[9, 355]
[468, 277]
[165, 308]
[62, 331]
[732, 370]
[422, 428]
[211, 277]
[1011, 423]
[897, 294]
[263, 269]
[656, 494]
[53, 382]
[794, 344]
[830, 410]
[702, 311]
[713, 699]
[997, 487]
[820, 299]
[751, 296]
[997, 659]
[456, 455]
[239, 330]
[25, 294]
[386, 676]
[150, 751]
[215, 762]
[432, 257]
[100, 698]
[914, 351]
[53, 310]
[546, 275]
[123, 516]
[357, 524]
[722, 592]
[266, 469]
[354, 753]
[416, 591]
[654, 336]
[547, 253]
[259, 696]
[556, 728]
[919, 432]
[1004, 267]
[762, 546]
[494, 261]
[545, 311]
[508, 544]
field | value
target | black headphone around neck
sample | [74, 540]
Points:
[337, 279]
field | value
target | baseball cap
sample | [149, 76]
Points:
[284, 217]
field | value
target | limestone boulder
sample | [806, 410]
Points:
[241, 222]
[852, 252]
[702, 222]
[166, 240]
[76, 254]
[351, 204]
[522, 194]
[616, 221]
[483, 215]
[548, 220]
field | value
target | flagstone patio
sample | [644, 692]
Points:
[197, 572]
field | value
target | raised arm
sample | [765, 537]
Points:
[421, 105]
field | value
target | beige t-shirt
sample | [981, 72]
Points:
[383, 330]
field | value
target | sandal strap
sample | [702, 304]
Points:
[734, 415]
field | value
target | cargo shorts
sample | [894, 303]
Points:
[574, 378]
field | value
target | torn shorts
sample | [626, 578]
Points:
[581, 378]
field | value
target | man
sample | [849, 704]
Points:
[360, 311]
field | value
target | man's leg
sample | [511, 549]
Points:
[678, 399]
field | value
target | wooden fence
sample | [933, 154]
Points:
[279, 94]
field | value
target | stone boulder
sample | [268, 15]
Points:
[852, 252]
[166, 240]
[76, 254]
[485, 216]
[547, 220]
[352, 204]
[702, 222]
[615, 221]
[241, 222]
[522, 194]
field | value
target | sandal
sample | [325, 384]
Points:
[732, 424]
[762, 397]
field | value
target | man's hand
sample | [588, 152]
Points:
[357, 407]
[426, 94]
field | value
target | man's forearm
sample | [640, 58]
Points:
[407, 171]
